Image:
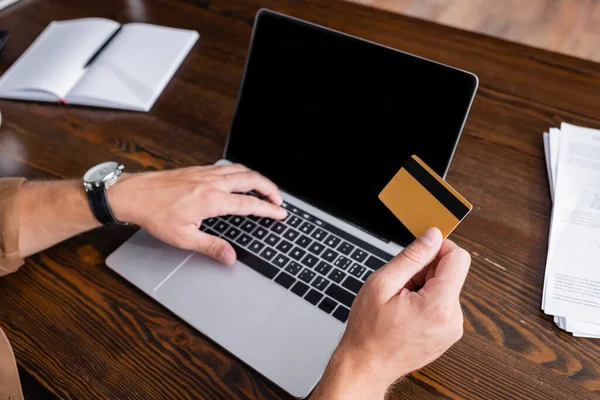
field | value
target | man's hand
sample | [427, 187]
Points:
[171, 205]
[406, 315]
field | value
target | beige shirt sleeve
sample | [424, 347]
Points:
[10, 260]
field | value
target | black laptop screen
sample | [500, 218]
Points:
[331, 119]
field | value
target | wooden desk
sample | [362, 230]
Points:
[85, 333]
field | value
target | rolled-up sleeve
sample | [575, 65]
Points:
[10, 259]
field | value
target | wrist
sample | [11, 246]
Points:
[117, 199]
[352, 375]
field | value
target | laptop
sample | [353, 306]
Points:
[330, 118]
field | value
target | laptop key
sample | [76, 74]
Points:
[268, 253]
[303, 241]
[297, 253]
[293, 268]
[272, 239]
[220, 226]
[307, 216]
[345, 248]
[332, 241]
[306, 275]
[307, 228]
[300, 288]
[352, 284]
[320, 283]
[266, 222]
[329, 255]
[341, 313]
[278, 228]
[336, 275]
[211, 232]
[323, 268]
[316, 248]
[327, 305]
[310, 260]
[237, 220]
[374, 263]
[342, 262]
[313, 297]
[248, 226]
[260, 233]
[341, 295]
[244, 239]
[319, 234]
[285, 280]
[260, 266]
[232, 233]
[284, 246]
[359, 255]
[209, 221]
[364, 278]
[256, 246]
[203, 227]
[357, 270]
[253, 218]
[291, 234]
[281, 260]
[294, 221]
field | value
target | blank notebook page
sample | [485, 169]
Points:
[135, 67]
[54, 63]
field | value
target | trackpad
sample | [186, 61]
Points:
[146, 261]
[227, 303]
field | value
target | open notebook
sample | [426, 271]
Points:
[98, 62]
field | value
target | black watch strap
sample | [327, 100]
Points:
[100, 208]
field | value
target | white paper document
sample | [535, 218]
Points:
[572, 280]
[98, 62]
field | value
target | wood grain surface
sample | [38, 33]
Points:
[567, 26]
[85, 333]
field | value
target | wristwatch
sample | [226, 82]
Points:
[97, 180]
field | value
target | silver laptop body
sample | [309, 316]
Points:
[268, 322]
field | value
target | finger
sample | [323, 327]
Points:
[398, 272]
[250, 180]
[450, 274]
[417, 281]
[241, 204]
[214, 247]
[203, 170]
[229, 169]
[428, 272]
[447, 246]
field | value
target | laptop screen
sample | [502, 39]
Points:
[331, 118]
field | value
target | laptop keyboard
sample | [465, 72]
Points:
[321, 263]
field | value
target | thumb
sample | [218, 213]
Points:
[412, 259]
[214, 247]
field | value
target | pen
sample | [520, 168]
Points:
[101, 49]
[4, 36]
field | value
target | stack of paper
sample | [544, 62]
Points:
[572, 280]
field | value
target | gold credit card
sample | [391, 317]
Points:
[421, 199]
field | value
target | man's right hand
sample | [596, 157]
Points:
[406, 315]
[172, 204]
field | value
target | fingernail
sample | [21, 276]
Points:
[431, 237]
[227, 257]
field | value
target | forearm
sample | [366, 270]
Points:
[345, 379]
[50, 212]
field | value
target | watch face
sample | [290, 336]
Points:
[101, 172]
